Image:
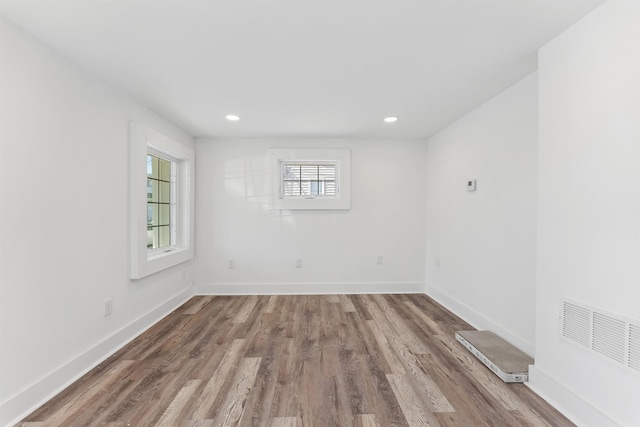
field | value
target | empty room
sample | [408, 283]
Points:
[305, 212]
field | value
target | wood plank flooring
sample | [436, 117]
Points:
[291, 361]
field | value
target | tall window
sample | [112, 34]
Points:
[308, 179]
[161, 204]
[160, 183]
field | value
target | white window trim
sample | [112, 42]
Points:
[145, 262]
[341, 157]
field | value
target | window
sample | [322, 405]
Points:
[160, 183]
[311, 178]
[308, 179]
[161, 200]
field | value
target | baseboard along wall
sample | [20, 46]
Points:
[566, 401]
[477, 320]
[23, 403]
[309, 288]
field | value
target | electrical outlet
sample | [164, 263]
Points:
[379, 260]
[108, 307]
[299, 263]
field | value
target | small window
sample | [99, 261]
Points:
[161, 200]
[310, 178]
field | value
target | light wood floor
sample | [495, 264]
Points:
[332, 360]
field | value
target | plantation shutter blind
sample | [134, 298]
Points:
[308, 179]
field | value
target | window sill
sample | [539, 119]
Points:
[319, 203]
[158, 261]
[160, 253]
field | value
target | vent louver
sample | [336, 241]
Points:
[609, 335]
[634, 347]
[575, 325]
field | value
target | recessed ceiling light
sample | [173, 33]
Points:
[390, 119]
[232, 117]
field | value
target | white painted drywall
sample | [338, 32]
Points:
[339, 249]
[64, 234]
[589, 207]
[480, 256]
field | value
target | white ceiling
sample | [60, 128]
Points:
[303, 68]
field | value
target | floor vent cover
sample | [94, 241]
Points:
[506, 361]
[609, 335]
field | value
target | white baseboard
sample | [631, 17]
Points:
[580, 412]
[477, 320]
[309, 288]
[23, 403]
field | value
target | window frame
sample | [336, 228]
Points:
[144, 261]
[340, 157]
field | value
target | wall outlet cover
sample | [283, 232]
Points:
[471, 185]
[108, 307]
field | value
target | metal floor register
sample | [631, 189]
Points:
[506, 361]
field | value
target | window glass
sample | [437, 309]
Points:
[152, 166]
[308, 179]
[158, 202]
[164, 192]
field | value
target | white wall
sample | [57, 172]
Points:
[338, 248]
[480, 259]
[64, 239]
[589, 207]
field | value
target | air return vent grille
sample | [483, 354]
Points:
[609, 335]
